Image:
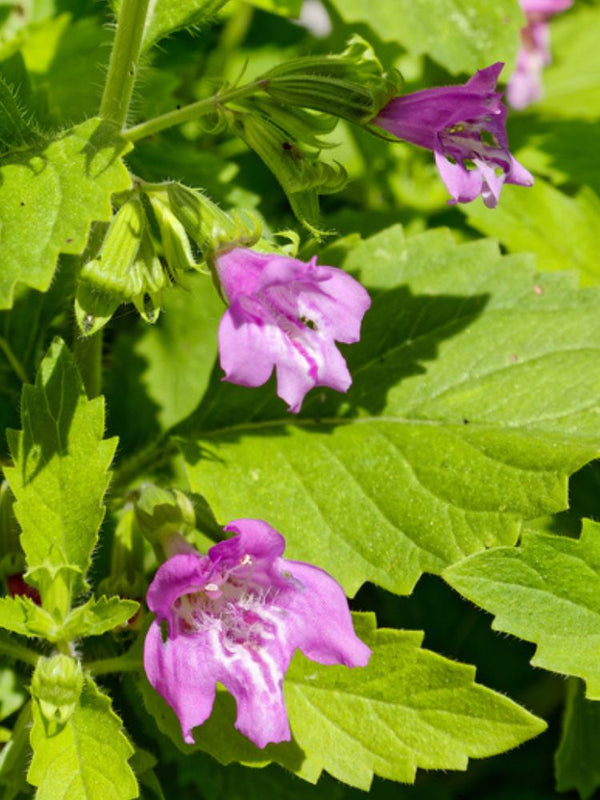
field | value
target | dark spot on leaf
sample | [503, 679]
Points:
[466, 421]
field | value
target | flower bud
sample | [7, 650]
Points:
[126, 269]
[56, 684]
[165, 516]
[352, 85]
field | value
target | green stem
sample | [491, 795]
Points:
[191, 111]
[88, 355]
[125, 663]
[18, 651]
[122, 67]
[13, 360]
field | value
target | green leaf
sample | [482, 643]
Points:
[546, 591]
[21, 615]
[15, 131]
[12, 694]
[15, 756]
[457, 427]
[61, 462]
[561, 230]
[461, 35]
[571, 85]
[286, 8]
[168, 16]
[576, 761]
[98, 616]
[409, 708]
[87, 758]
[49, 197]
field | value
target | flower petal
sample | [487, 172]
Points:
[181, 574]
[324, 631]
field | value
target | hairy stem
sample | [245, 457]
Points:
[9, 647]
[124, 663]
[191, 111]
[123, 63]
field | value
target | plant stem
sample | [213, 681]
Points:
[88, 355]
[18, 651]
[191, 111]
[124, 663]
[122, 67]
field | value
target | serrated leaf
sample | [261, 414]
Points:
[21, 615]
[87, 758]
[167, 16]
[15, 130]
[49, 197]
[560, 229]
[98, 616]
[576, 760]
[461, 35]
[457, 428]
[546, 591]
[61, 462]
[409, 708]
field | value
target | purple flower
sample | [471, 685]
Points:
[236, 616]
[287, 314]
[465, 126]
[525, 85]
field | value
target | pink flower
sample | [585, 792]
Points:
[237, 616]
[287, 314]
[525, 84]
[465, 126]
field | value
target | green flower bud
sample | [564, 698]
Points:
[163, 514]
[56, 684]
[352, 85]
[205, 223]
[126, 269]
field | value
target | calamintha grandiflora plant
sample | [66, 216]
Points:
[228, 409]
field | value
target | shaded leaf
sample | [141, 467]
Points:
[576, 760]
[49, 196]
[546, 591]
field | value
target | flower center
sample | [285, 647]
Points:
[242, 613]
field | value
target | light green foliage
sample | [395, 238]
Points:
[546, 591]
[98, 616]
[49, 196]
[61, 463]
[456, 429]
[408, 709]
[87, 758]
[168, 16]
[461, 35]
[21, 615]
[287, 8]
[576, 760]
[561, 230]
[571, 84]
